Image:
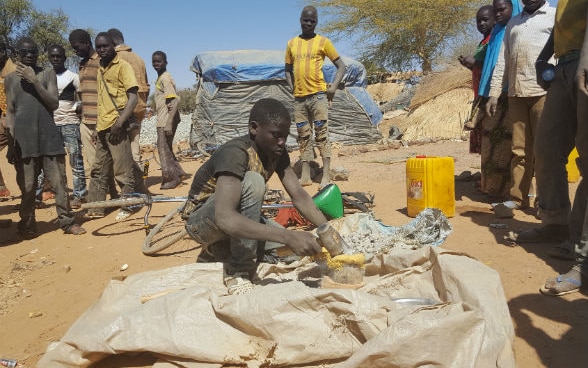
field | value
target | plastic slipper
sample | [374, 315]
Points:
[562, 252]
[551, 292]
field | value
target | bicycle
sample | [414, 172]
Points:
[171, 229]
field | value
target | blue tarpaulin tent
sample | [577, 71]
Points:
[230, 82]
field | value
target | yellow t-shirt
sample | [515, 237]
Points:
[307, 58]
[570, 25]
[119, 77]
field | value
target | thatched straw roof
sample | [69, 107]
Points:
[438, 83]
[439, 107]
[440, 118]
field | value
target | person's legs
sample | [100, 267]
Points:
[554, 141]
[100, 174]
[244, 251]
[27, 171]
[134, 135]
[201, 226]
[122, 164]
[169, 177]
[126, 172]
[572, 280]
[73, 144]
[88, 146]
[521, 163]
[54, 168]
[496, 152]
[319, 110]
[243, 255]
[304, 128]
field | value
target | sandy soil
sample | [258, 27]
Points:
[48, 282]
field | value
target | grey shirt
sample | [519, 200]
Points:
[34, 130]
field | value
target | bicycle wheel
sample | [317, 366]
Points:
[169, 231]
[118, 202]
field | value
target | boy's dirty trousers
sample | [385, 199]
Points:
[244, 253]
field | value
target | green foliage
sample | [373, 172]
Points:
[13, 18]
[399, 34]
[19, 18]
[187, 100]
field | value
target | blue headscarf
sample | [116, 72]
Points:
[493, 50]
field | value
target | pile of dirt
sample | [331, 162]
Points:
[383, 92]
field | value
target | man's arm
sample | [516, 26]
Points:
[290, 77]
[582, 71]
[499, 77]
[117, 131]
[338, 77]
[172, 109]
[542, 61]
[49, 96]
[230, 221]
[301, 199]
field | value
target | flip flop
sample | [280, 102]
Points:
[551, 292]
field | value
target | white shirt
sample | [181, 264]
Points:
[524, 38]
[68, 85]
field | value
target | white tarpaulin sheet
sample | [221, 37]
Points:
[183, 316]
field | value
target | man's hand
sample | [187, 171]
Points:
[94, 137]
[168, 130]
[467, 61]
[116, 132]
[540, 66]
[491, 106]
[303, 243]
[26, 72]
[331, 89]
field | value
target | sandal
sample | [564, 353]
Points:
[74, 229]
[559, 281]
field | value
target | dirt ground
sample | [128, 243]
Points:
[48, 282]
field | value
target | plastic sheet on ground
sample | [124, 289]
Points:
[184, 317]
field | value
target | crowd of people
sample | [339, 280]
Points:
[529, 114]
[92, 116]
[530, 79]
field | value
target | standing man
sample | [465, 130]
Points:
[524, 38]
[31, 99]
[227, 192]
[81, 42]
[126, 53]
[305, 55]
[68, 122]
[564, 123]
[168, 117]
[117, 97]
[6, 67]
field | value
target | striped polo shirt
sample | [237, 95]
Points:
[307, 57]
[89, 88]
